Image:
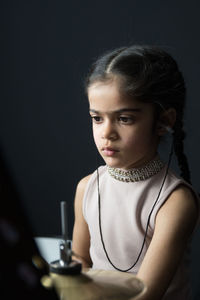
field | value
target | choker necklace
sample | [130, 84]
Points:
[137, 174]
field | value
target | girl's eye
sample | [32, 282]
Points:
[96, 119]
[126, 120]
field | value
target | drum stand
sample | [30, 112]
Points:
[65, 265]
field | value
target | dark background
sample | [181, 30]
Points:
[46, 50]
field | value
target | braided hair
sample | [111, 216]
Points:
[148, 74]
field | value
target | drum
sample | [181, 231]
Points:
[97, 285]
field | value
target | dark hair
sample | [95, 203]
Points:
[151, 75]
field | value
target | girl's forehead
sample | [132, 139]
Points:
[106, 96]
[99, 89]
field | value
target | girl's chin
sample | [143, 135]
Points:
[119, 164]
[113, 163]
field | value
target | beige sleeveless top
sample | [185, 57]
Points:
[125, 207]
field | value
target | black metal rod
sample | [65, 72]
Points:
[64, 223]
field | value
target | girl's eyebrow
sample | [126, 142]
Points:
[119, 110]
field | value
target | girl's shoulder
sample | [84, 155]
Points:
[82, 184]
[81, 188]
[181, 209]
[177, 196]
[184, 190]
[184, 203]
[185, 196]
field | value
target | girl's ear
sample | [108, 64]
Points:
[167, 119]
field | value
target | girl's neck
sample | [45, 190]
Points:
[141, 162]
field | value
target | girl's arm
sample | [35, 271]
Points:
[175, 222]
[81, 237]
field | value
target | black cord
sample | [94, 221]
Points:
[148, 220]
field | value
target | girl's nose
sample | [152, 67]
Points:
[109, 132]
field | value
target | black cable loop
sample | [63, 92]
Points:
[148, 220]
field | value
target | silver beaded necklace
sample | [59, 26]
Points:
[137, 174]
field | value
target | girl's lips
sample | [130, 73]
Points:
[109, 151]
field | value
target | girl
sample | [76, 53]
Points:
[134, 214]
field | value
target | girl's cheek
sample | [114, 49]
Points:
[97, 133]
[96, 139]
[132, 139]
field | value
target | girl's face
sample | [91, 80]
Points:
[122, 128]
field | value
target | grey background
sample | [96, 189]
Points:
[47, 48]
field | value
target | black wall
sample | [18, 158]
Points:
[47, 48]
